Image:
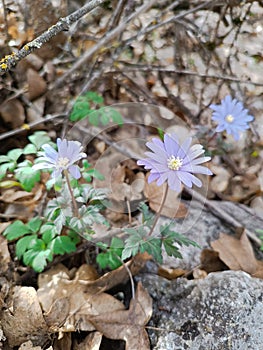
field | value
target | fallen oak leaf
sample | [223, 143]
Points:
[238, 254]
[173, 207]
[128, 325]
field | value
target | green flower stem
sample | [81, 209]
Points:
[158, 214]
[75, 207]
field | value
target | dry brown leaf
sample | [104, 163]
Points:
[91, 342]
[63, 342]
[57, 313]
[210, 261]
[171, 274]
[238, 254]
[11, 195]
[23, 317]
[69, 303]
[36, 84]
[12, 112]
[120, 275]
[173, 207]
[128, 325]
[4, 252]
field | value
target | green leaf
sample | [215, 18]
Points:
[37, 245]
[4, 159]
[112, 256]
[6, 166]
[16, 230]
[153, 246]
[23, 244]
[132, 243]
[39, 262]
[115, 116]
[94, 118]
[14, 154]
[27, 177]
[49, 232]
[62, 245]
[29, 256]
[105, 119]
[147, 215]
[39, 138]
[34, 224]
[94, 97]
[30, 149]
[80, 109]
[171, 250]
[169, 238]
[92, 173]
[9, 184]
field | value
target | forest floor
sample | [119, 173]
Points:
[122, 74]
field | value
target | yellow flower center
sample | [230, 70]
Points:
[174, 163]
[63, 162]
[229, 118]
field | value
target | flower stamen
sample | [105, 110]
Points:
[174, 163]
[229, 118]
[63, 162]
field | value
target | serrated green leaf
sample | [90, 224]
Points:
[14, 154]
[153, 246]
[171, 250]
[61, 245]
[80, 110]
[67, 244]
[30, 149]
[39, 262]
[23, 244]
[49, 232]
[6, 166]
[104, 119]
[94, 97]
[29, 256]
[27, 177]
[16, 230]
[34, 224]
[102, 259]
[92, 173]
[38, 245]
[39, 138]
[115, 116]
[94, 118]
[4, 159]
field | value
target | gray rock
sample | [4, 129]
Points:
[223, 311]
[202, 227]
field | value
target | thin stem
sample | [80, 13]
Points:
[75, 207]
[158, 214]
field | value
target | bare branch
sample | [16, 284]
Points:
[9, 61]
[105, 40]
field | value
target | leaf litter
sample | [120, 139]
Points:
[69, 301]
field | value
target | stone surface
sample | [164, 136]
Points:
[203, 227]
[223, 311]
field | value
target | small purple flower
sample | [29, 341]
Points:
[175, 163]
[69, 152]
[231, 116]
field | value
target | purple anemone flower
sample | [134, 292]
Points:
[231, 116]
[69, 152]
[175, 163]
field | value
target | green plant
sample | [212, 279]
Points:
[38, 241]
[91, 105]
